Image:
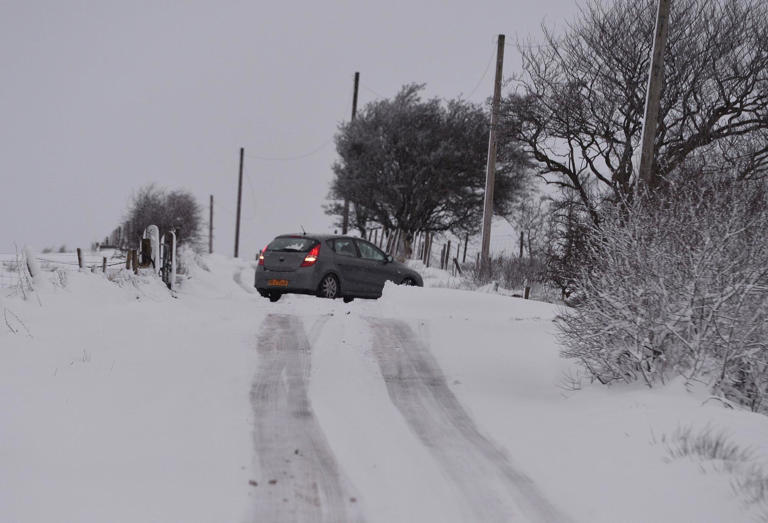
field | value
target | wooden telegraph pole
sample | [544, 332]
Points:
[239, 199]
[490, 175]
[210, 227]
[345, 218]
[653, 93]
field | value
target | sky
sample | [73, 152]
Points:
[99, 98]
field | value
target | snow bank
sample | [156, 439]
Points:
[125, 404]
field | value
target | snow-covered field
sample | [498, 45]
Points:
[122, 403]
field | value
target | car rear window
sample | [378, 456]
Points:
[291, 244]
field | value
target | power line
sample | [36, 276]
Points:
[371, 90]
[253, 192]
[485, 73]
[527, 46]
[294, 157]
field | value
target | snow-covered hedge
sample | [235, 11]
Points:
[677, 284]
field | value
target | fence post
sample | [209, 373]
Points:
[79, 258]
[429, 248]
[527, 292]
[135, 260]
[104, 264]
[395, 243]
[448, 255]
[456, 264]
[128, 260]
[466, 241]
[421, 242]
[146, 252]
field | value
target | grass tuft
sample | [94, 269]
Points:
[715, 452]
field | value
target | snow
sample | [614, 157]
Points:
[128, 403]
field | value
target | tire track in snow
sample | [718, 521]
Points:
[493, 488]
[300, 479]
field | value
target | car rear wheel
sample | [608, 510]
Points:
[348, 299]
[329, 287]
[274, 296]
[408, 281]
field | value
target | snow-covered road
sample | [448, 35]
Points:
[300, 477]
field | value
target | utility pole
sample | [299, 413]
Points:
[210, 227]
[490, 175]
[345, 218]
[239, 198]
[653, 93]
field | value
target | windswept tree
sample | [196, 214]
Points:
[579, 105]
[419, 165]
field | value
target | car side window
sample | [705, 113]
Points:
[344, 247]
[369, 251]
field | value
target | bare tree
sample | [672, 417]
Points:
[529, 217]
[567, 228]
[578, 106]
[176, 210]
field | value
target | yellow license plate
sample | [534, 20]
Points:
[278, 283]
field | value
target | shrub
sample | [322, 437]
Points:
[677, 284]
[509, 271]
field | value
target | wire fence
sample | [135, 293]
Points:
[8, 279]
[13, 266]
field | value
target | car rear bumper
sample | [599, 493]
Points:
[298, 281]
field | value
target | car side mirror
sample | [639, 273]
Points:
[389, 259]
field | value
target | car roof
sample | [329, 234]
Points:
[318, 237]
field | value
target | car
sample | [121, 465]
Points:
[328, 266]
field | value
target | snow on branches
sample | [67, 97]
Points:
[677, 284]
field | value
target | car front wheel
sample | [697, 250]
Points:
[408, 281]
[329, 287]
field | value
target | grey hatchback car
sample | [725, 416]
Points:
[328, 266]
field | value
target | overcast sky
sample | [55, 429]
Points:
[98, 98]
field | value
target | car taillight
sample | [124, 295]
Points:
[311, 256]
[261, 255]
